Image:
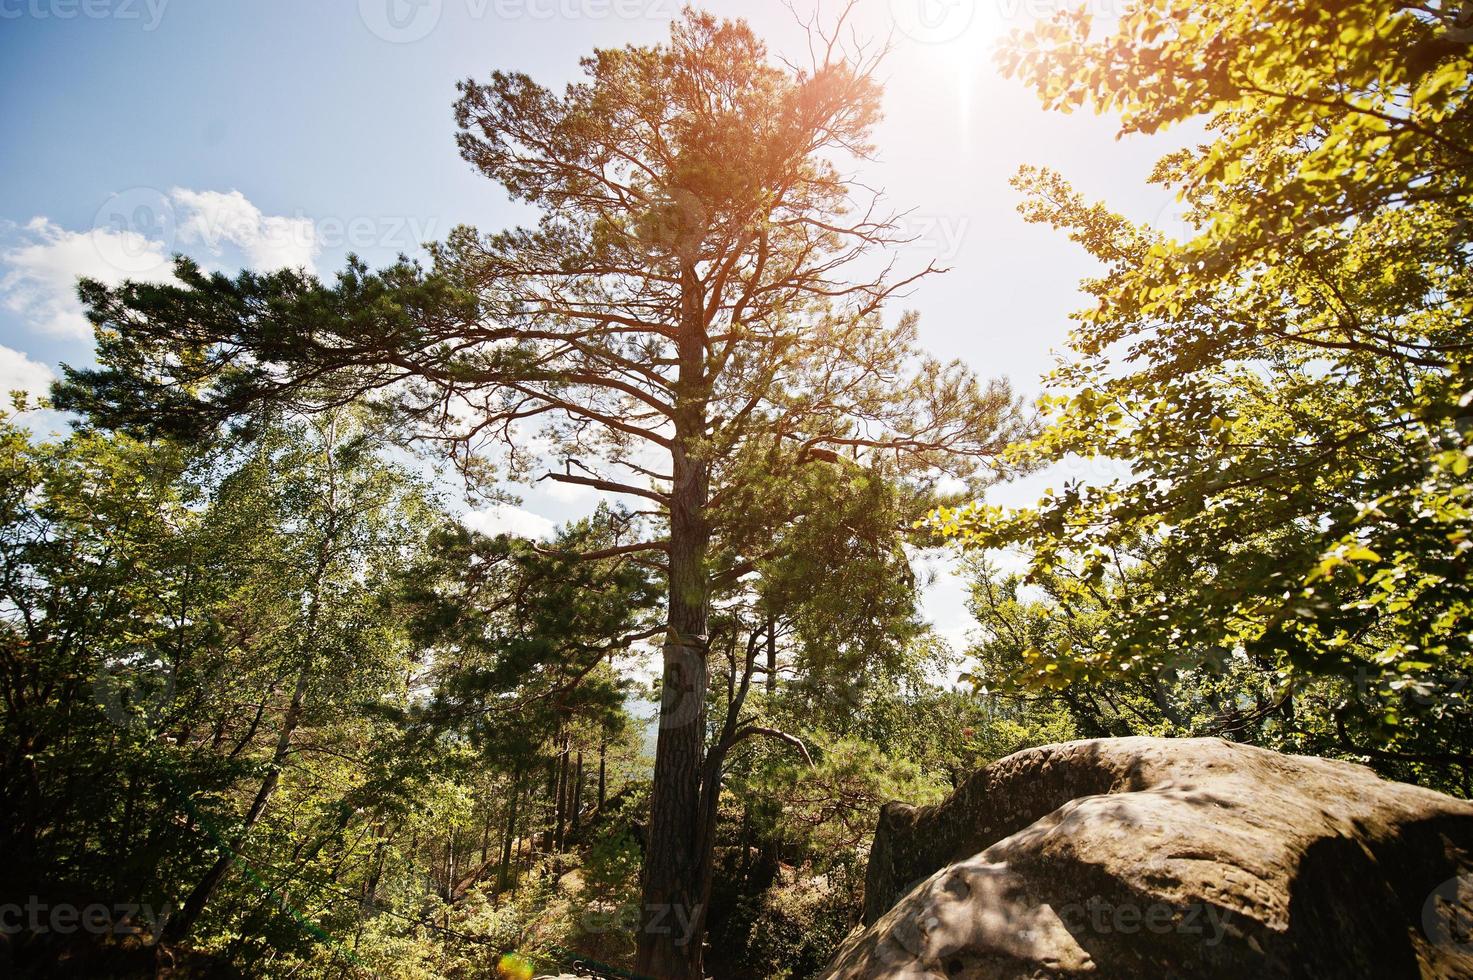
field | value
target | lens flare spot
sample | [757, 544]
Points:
[514, 966]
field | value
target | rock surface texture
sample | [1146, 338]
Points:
[1143, 857]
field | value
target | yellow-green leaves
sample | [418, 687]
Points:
[1287, 390]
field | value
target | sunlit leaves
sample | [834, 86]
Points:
[1285, 385]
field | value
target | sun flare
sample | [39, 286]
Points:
[964, 36]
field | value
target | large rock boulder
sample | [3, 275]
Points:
[1144, 857]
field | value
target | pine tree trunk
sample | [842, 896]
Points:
[771, 654]
[486, 834]
[561, 796]
[511, 834]
[602, 783]
[516, 877]
[668, 948]
[577, 807]
[450, 868]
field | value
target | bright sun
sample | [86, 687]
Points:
[954, 30]
[958, 37]
[969, 53]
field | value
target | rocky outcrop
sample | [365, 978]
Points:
[1141, 857]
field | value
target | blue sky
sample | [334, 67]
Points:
[280, 132]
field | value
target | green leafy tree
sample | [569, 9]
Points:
[110, 599]
[196, 651]
[343, 521]
[1290, 386]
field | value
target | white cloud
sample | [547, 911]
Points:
[40, 282]
[506, 519]
[19, 373]
[134, 236]
[571, 494]
[951, 484]
[214, 219]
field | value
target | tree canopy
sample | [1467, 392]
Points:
[684, 318]
[1290, 386]
[260, 676]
